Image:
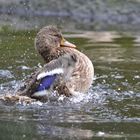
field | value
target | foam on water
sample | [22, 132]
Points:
[6, 74]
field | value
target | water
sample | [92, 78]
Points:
[111, 109]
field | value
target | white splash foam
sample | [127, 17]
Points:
[100, 134]
[80, 97]
[61, 98]
[37, 103]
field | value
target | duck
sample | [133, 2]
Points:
[66, 70]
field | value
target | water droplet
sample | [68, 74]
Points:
[100, 133]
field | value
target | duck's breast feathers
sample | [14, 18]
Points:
[83, 72]
[83, 64]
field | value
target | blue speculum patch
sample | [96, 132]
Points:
[46, 82]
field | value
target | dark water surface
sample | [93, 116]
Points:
[111, 109]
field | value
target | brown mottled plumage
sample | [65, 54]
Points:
[50, 44]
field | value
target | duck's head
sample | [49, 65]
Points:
[48, 39]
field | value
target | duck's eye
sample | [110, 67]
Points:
[57, 35]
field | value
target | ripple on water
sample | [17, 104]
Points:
[69, 117]
[109, 110]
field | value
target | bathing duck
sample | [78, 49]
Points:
[66, 70]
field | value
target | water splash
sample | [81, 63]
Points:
[6, 74]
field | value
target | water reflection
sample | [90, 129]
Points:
[63, 132]
[109, 110]
[94, 37]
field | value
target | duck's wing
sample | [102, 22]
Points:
[44, 78]
[58, 66]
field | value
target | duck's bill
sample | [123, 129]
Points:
[65, 43]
